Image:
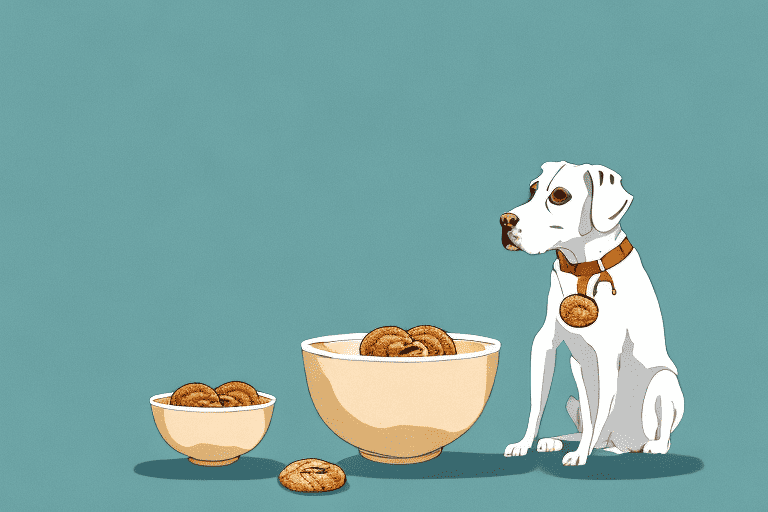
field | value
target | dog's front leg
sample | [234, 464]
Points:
[542, 368]
[607, 376]
[543, 354]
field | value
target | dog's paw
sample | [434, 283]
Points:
[656, 446]
[575, 459]
[518, 449]
[549, 445]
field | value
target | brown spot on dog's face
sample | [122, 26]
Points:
[533, 189]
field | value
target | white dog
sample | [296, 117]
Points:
[629, 395]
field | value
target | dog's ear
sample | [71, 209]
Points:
[609, 199]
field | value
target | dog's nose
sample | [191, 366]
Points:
[509, 219]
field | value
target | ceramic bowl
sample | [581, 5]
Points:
[399, 410]
[211, 436]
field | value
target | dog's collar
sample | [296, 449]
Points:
[589, 268]
[579, 309]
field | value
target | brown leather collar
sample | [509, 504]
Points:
[611, 259]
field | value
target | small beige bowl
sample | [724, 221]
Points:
[211, 436]
[399, 410]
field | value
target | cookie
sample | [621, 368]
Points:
[195, 394]
[239, 394]
[578, 310]
[312, 475]
[378, 341]
[435, 339]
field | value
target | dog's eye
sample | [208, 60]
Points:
[559, 196]
[534, 188]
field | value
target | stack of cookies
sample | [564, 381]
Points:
[420, 341]
[231, 394]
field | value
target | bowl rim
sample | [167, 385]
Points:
[306, 346]
[153, 403]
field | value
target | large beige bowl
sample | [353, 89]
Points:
[211, 436]
[399, 410]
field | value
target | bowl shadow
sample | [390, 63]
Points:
[246, 468]
[446, 465]
[628, 466]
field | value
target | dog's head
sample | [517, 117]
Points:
[567, 202]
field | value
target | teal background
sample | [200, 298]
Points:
[190, 189]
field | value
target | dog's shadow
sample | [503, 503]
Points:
[446, 465]
[600, 466]
[608, 466]
[246, 468]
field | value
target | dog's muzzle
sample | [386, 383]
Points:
[508, 221]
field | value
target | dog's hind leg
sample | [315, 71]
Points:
[555, 444]
[574, 411]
